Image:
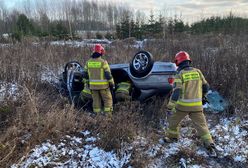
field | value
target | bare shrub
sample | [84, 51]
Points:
[40, 113]
[36, 119]
[222, 59]
[123, 127]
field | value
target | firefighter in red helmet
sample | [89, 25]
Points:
[189, 87]
[99, 78]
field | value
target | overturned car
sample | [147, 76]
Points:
[147, 78]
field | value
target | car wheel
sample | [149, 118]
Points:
[141, 64]
[73, 65]
[70, 69]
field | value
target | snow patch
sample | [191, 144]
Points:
[229, 136]
[83, 43]
[8, 90]
[71, 152]
[231, 139]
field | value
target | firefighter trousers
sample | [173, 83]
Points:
[197, 118]
[102, 96]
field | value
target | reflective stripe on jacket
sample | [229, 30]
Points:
[189, 81]
[97, 68]
[86, 93]
[123, 87]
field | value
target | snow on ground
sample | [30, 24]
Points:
[49, 75]
[90, 42]
[231, 139]
[5, 45]
[8, 89]
[71, 151]
[139, 44]
[83, 43]
[12, 89]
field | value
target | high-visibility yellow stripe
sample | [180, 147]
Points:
[189, 104]
[94, 64]
[178, 80]
[122, 89]
[206, 137]
[124, 85]
[97, 110]
[172, 132]
[191, 76]
[98, 83]
[87, 91]
[107, 109]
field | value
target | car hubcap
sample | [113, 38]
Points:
[140, 61]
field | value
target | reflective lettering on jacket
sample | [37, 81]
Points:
[96, 69]
[190, 76]
[188, 82]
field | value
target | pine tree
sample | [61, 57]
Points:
[24, 26]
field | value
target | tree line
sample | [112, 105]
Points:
[60, 18]
[65, 18]
[162, 27]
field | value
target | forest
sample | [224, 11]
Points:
[66, 19]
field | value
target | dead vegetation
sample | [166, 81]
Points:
[40, 113]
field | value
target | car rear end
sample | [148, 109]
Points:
[158, 81]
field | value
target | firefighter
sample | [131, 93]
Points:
[122, 92]
[186, 99]
[100, 80]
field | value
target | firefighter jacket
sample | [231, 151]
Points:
[98, 74]
[189, 87]
[123, 87]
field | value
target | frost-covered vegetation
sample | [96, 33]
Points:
[40, 127]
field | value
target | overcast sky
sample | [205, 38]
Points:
[190, 10]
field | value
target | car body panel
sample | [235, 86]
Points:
[155, 82]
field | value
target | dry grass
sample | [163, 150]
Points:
[123, 127]
[39, 113]
[222, 59]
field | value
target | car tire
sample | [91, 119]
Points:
[73, 64]
[141, 64]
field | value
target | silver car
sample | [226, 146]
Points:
[148, 78]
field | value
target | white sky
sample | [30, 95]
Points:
[190, 10]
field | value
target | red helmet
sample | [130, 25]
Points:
[99, 49]
[181, 56]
